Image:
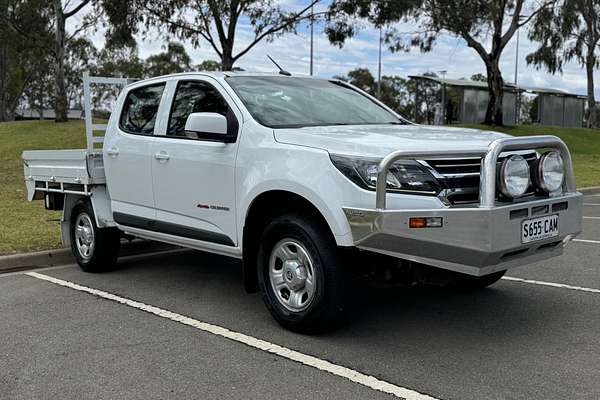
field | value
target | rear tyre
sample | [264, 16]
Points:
[300, 274]
[95, 249]
[469, 283]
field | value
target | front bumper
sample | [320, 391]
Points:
[477, 240]
[474, 241]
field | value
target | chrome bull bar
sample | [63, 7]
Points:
[487, 190]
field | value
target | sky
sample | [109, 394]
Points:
[450, 54]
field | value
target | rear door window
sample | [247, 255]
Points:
[140, 109]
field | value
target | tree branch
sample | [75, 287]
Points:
[208, 36]
[214, 10]
[76, 9]
[292, 20]
[184, 27]
[474, 44]
[514, 25]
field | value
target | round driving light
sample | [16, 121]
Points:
[550, 172]
[514, 176]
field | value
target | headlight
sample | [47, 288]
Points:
[514, 176]
[404, 176]
[550, 172]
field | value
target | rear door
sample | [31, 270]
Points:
[128, 156]
[194, 178]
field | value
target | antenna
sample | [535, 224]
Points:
[281, 70]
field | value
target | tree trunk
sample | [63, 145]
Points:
[494, 112]
[591, 99]
[3, 81]
[60, 105]
[227, 58]
[41, 104]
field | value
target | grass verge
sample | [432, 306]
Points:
[28, 226]
[583, 143]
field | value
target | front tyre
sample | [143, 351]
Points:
[95, 249]
[300, 274]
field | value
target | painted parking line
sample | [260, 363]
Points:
[587, 241]
[591, 204]
[551, 284]
[310, 361]
[591, 217]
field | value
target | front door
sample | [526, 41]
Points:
[194, 178]
[127, 154]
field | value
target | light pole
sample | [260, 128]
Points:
[517, 59]
[312, 38]
[517, 50]
[518, 94]
[379, 72]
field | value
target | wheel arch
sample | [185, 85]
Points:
[260, 211]
[100, 203]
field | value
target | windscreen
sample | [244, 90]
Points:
[290, 102]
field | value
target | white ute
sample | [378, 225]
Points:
[297, 177]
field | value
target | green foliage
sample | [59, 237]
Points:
[534, 109]
[362, 79]
[344, 16]
[395, 91]
[209, 65]
[174, 60]
[123, 61]
[479, 77]
[24, 41]
[569, 31]
[566, 32]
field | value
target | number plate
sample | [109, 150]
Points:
[539, 228]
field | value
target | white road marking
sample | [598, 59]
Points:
[591, 204]
[591, 217]
[310, 361]
[587, 241]
[552, 284]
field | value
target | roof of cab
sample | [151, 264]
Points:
[222, 75]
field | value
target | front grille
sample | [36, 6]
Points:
[460, 178]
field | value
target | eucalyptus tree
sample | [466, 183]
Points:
[55, 13]
[215, 22]
[63, 11]
[486, 26]
[569, 31]
[24, 39]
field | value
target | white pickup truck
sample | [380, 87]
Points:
[297, 177]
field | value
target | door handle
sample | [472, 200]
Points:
[113, 152]
[162, 156]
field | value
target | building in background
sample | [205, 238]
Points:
[28, 113]
[465, 102]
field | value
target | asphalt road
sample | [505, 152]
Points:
[515, 340]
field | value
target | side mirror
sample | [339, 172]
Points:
[206, 124]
